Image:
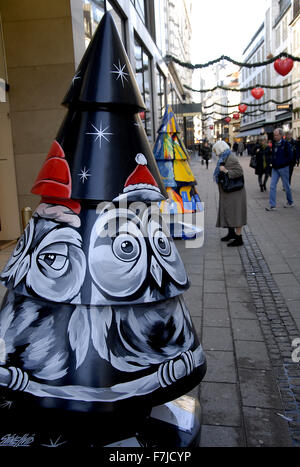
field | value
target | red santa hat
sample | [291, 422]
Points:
[141, 185]
[53, 182]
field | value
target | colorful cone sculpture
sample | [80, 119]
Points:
[172, 160]
[94, 321]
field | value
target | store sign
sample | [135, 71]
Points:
[286, 107]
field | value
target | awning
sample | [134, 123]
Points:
[253, 132]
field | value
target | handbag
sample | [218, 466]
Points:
[253, 162]
[231, 184]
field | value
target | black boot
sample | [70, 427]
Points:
[261, 188]
[238, 241]
[231, 235]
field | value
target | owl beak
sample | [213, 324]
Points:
[156, 271]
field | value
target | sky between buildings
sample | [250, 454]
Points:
[224, 27]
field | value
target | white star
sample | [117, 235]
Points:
[7, 404]
[84, 174]
[54, 444]
[100, 133]
[76, 77]
[121, 74]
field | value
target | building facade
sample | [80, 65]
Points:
[41, 45]
[295, 26]
[272, 38]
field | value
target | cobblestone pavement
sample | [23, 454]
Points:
[245, 304]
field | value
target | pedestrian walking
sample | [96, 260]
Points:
[295, 151]
[232, 212]
[235, 147]
[241, 148]
[262, 154]
[206, 153]
[280, 163]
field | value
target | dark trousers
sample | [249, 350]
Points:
[260, 179]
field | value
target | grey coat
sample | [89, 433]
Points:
[232, 206]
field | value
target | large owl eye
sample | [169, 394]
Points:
[126, 247]
[164, 248]
[54, 261]
[162, 243]
[117, 256]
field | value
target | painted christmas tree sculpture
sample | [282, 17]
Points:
[173, 163]
[93, 321]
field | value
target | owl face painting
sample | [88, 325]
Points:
[48, 262]
[115, 256]
[139, 260]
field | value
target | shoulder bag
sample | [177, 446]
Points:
[231, 184]
[253, 162]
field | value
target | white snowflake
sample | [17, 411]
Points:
[54, 444]
[120, 72]
[84, 174]
[75, 78]
[100, 133]
[6, 404]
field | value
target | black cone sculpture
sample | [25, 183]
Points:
[93, 325]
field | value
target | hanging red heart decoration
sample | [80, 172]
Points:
[283, 66]
[211, 127]
[236, 116]
[227, 119]
[257, 93]
[242, 108]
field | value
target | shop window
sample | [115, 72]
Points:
[143, 78]
[161, 93]
[93, 11]
[139, 5]
[277, 37]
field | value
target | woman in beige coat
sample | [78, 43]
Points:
[232, 206]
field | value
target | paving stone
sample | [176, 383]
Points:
[236, 280]
[215, 338]
[216, 317]
[214, 286]
[220, 404]
[246, 329]
[237, 294]
[215, 300]
[242, 310]
[264, 428]
[221, 436]
[252, 355]
[214, 274]
[220, 367]
[196, 279]
[259, 389]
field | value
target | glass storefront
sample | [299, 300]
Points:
[93, 10]
[143, 77]
[161, 93]
[139, 5]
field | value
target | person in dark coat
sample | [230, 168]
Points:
[281, 158]
[262, 153]
[232, 212]
[206, 153]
